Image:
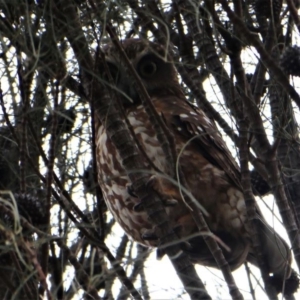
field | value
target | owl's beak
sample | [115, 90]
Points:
[127, 90]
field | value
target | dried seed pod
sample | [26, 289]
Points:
[9, 158]
[32, 208]
[88, 180]
[259, 184]
[65, 121]
[290, 61]
[267, 8]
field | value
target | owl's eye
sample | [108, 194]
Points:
[148, 66]
[147, 69]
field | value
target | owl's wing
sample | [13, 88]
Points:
[198, 129]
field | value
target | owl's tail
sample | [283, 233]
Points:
[277, 256]
[276, 252]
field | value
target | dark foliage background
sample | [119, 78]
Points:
[237, 60]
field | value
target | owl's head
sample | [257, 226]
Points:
[151, 62]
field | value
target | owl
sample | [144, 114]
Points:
[210, 172]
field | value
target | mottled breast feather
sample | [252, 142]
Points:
[211, 186]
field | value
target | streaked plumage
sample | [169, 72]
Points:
[210, 171]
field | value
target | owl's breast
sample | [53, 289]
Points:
[208, 184]
[115, 183]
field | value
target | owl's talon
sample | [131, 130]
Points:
[149, 235]
[130, 190]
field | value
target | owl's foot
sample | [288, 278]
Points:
[165, 191]
[290, 286]
[155, 183]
